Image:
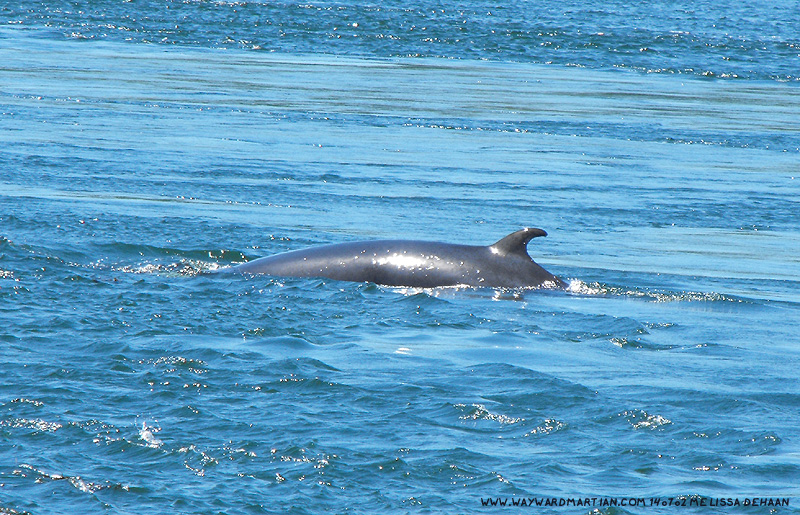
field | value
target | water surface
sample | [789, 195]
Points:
[128, 165]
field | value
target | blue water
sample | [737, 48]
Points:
[142, 143]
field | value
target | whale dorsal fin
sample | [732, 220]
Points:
[517, 242]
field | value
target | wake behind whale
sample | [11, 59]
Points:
[413, 263]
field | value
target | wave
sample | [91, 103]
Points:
[576, 286]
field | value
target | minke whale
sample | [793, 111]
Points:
[412, 263]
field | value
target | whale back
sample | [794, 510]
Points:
[412, 263]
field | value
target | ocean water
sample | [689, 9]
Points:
[142, 143]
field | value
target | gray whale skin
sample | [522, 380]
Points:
[420, 264]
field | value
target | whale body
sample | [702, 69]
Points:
[412, 263]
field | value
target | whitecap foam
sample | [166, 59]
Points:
[146, 433]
